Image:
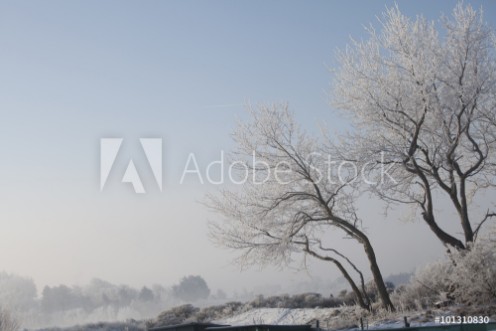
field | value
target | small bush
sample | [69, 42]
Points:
[474, 279]
[7, 321]
[465, 277]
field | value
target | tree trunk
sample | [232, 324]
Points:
[376, 273]
[428, 214]
[467, 228]
[443, 236]
[369, 251]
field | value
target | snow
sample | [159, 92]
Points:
[278, 316]
[330, 318]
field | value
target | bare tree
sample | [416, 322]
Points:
[289, 196]
[7, 321]
[429, 105]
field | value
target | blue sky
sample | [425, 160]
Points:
[72, 72]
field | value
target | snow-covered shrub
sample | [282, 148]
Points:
[303, 300]
[474, 279]
[212, 313]
[128, 325]
[178, 315]
[428, 286]
[467, 276]
[17, 292]
[230, 308]
[373, 294]
[345, 297]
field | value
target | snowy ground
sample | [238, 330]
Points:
[330, 318]
[279, 316]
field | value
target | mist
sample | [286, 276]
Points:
[103, 301]
[96, 301]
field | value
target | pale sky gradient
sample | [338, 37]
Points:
[73, 72]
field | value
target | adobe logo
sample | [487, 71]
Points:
[109, 149]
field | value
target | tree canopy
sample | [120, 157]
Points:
[426, 101]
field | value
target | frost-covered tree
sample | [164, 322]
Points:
[427, 101]
[288, 199]
[7, 321]
[59, 298]
[16, 292]
[191, 288]
[146, 294]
